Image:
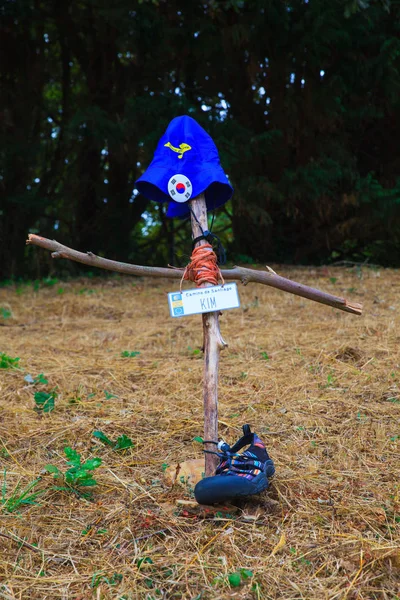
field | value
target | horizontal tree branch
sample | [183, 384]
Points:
[237, 273]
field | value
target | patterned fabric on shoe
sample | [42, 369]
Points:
[249, 464]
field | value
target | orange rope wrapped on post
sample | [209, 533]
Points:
[203, 267]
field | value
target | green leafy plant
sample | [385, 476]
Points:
[264, 355]
[20, 497]
[5, 313]
[98, 578]
[128, 354]
[109, 396]
[140, 562]
[121, 443]
[38, 380]
[194, 351]
[79, 473]
[330, 379]
[45, 401]
[235, 579]
[7, 362]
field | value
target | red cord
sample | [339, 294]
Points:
[203, 267]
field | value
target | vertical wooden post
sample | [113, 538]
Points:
[212, 344]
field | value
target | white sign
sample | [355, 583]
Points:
[203, 300]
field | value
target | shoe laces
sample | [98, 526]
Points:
[232, 463]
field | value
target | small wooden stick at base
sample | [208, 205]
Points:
[213, 344]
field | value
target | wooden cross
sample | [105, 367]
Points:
[212, 339]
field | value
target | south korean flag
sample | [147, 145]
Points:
[180, 188]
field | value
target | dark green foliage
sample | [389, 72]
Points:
[7, 362]
[302, 99]
[40, 379]
[45, 401]
[235, 579]
[103, 438]
[20, 496]
[79, 474]
[98, 578]
[122, 442]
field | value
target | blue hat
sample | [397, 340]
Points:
[185, 164]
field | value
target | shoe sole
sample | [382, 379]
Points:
[217, 489]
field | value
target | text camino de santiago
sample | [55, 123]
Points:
[208, 303]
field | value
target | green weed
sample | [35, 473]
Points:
[5, 313]
[38, 380]
[186, 482]
[19, 497]
[264, 355]
[7, 362]
[330, 380]
[194, 351]
[45, 401]
[141, 562]
[78, 475]
[128, 354]
[235, 579]
[98, 578]
[121, 443]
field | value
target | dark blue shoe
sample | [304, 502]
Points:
[237, 475]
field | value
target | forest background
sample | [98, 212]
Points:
[301, 97]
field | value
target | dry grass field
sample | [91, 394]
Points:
[320, 387]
